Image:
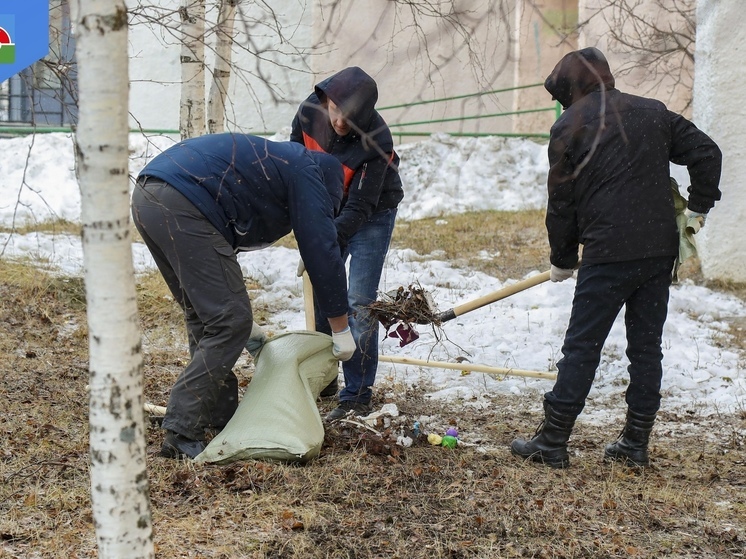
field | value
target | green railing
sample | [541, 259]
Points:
[556, 108]
[395, 126]
[22, 130]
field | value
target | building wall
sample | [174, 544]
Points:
[419, 58]
[543, 39]
[502, 44]
[718, 110]
[269, 78]
[415, 57]
[636, 66]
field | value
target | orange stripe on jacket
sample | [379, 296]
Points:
[313, 145]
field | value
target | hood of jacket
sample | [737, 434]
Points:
[579, 73]
[354, 92]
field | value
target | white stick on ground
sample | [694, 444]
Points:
[497, 371]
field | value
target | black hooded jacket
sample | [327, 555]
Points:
[372, 181]
[609, 177]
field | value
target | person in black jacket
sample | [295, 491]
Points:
[339, 118]
[196, 205]
[609, 191]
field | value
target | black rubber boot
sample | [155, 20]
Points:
[632, 445]
[549, 445]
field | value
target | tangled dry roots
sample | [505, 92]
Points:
[412, 305]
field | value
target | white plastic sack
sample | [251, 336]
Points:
[277, 418]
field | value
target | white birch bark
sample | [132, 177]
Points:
[222, 71]
[119, 480]
[192, 106]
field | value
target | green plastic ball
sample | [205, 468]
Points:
[449, 441]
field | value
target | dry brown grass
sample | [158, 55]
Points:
[53, 227]
[364, 497]
[475, 239]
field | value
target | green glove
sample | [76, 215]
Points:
[697, 217]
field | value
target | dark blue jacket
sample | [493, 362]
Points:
[255, 191]
[609, 176]
[372, 182]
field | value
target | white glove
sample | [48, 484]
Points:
[343, 344]
[559, 274]
[301, 268]
[700, 217]
[257, 338]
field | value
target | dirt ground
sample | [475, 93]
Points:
[365, 496]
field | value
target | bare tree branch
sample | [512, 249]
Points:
[655, 39]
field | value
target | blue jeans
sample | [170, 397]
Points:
[367, 250]
[641, 286]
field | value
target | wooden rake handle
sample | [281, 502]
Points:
[308, 302]
[480, 302]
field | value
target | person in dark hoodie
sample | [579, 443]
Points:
[339, 118]
[199, 203]
[609, 191]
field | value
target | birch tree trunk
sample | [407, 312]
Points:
[222, 71]
[192, 106]
[119, 480]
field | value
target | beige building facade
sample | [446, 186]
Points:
[472, 55]
[477, 67]
[440, 76]
[649, 45]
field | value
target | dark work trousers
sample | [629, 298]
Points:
[203, 274]
[600, 293]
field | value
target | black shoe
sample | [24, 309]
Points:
[178, 446]
[348, 408]
[331, 389]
